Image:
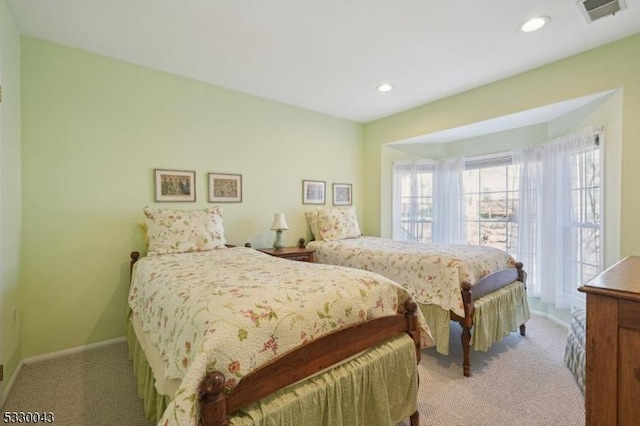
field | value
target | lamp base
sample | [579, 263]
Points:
[278, 244]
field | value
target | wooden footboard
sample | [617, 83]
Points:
[486, 285]
[215, 404]
[321, 353]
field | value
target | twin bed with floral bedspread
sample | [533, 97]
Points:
[480, 287]
[226, 335]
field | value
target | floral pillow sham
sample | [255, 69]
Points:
[338, 223]
[181, 231]
[312, 220]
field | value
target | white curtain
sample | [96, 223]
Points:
[448, 213]
[545, 215]
[408, 172]
[528, 162]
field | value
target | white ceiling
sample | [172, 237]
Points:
[327, 55]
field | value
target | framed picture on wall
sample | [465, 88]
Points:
[313, 192]
[175, 185]
[225, 188]
[342, 194]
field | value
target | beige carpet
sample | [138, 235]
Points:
[520, 381]
[90, 388]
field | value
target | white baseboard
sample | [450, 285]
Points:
[53, 355]
[551, 317]
[12, 382]
[71, 351]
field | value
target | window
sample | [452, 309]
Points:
[490, 195]
[413, 201]
[569, 216]
[541, 204]
[586, 213]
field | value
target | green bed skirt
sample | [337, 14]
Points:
[495, 316]
[154, 403]
[378, 388]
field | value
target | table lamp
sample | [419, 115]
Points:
[279, 225]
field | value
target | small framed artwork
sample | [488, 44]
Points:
[342, 194]
[313, 192]
[175, 185]
[225, 188]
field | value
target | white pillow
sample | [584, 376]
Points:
[312, 220]
[338, 223]
[181, 231]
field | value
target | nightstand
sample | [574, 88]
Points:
[291, 253]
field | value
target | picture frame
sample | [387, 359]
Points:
[342, 194]
[175, 185]
[225, 188]
[313, 191]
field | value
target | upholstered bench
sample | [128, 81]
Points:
[574, 351]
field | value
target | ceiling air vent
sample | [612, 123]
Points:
[596, 9]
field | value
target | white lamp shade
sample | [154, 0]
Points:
[279, 222]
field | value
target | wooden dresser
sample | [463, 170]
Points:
[612, 392]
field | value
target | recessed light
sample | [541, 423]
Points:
[534, 24]
[384, 87]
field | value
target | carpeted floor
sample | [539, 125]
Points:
[520, 381]
[95, 387]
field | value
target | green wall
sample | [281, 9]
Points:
[614, 66]
[10, 189]
[93, 131]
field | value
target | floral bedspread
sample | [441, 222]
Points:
[235, 309]
[431, 272]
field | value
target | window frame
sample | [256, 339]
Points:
[408, 227]
[578, 226]
[486, 162]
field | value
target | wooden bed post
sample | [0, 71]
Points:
[522, 277]
[411, 317]
[466, 323]
[213, 400]
[134, 258]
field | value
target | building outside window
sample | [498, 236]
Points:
[490, 197]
